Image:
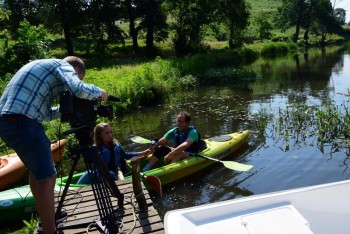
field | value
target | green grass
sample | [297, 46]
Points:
[264, 5]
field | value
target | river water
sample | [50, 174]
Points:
[313, 78]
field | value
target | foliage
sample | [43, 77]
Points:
[19, 10]
[226, 76]
[340, 15]
[189, 19]
[326, 22]
[316, 16]
[277, 49]
[153, 21]
[234, 14]
[105, 23]
[327, 124]
[30, 226]
[219, 31]
[31, 44]
[294, 14]
[263, 26]
[101, 16]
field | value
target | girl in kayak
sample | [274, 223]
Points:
[185, 140]
[111, 152]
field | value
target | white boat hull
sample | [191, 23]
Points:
[320, 209]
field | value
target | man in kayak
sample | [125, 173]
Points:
[111, 152]
[25, 103]
[185, 140]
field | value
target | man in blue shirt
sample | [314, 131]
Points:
[25, 103]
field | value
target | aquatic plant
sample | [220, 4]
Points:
[300, 123]
[226, 76]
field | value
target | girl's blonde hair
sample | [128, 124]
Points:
[98, 131]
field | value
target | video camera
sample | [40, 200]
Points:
[81, 112]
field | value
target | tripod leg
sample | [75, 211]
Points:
[66, 187]
[103, 187]
[113, 187]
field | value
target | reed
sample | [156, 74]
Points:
[303, 124]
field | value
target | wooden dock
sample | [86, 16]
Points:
[83, 214]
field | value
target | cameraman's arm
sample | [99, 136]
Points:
[69, 77]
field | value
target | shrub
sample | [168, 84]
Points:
[277, 49]
[31, 44]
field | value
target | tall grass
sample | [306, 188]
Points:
[277, 49]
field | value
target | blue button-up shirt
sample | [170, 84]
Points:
[34, 88]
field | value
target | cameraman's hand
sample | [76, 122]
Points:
[104, 95]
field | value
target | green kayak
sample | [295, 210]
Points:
[18, 204]
[216, 148]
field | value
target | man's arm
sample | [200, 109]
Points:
[162, 141]
[185, 145]
[78, 88]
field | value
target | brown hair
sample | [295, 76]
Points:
[97, 133]
[75, 62]
[186, 115]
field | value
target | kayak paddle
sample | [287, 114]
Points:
[228, 164]
[141, 140]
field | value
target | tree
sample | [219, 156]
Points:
[63, 16]
[20, 10]
[340, 14]
[189, 18]
[293, 13]
[132, 12]
[153, 21]
[62, 8]
[101, 16]
[263, 25]
[80, 18]
[4, 16]
[234, 14]
[325, 22]
[31, 44]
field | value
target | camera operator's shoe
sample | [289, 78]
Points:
[61, 217]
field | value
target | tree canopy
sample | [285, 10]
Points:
[104, 22]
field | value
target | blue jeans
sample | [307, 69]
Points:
[85, 179]
[27, 138]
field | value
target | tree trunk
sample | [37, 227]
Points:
[297, 30]
[149, 40]
[306, 36]
[66, 30]
[132, 29]
[150, 30]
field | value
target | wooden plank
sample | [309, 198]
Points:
[83, 214]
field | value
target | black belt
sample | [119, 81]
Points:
[12, 118]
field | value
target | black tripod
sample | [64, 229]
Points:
[103, 186]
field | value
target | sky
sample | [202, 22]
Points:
[345, 4]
